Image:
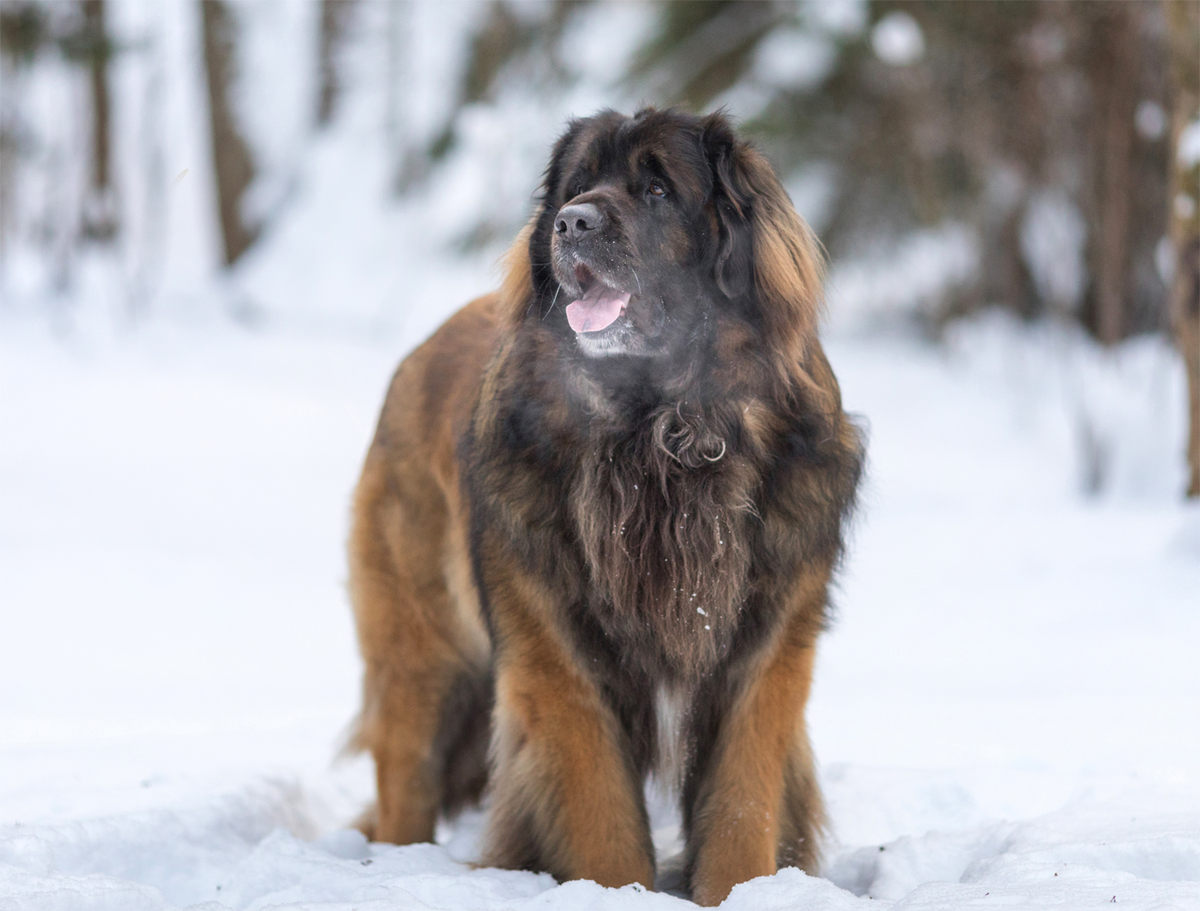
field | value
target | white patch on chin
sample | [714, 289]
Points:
[600, 344]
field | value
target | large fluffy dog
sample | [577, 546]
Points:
[595, 531]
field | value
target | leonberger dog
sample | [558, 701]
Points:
[596, 529]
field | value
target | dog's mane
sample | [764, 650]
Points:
[516, 294]
[663, 514]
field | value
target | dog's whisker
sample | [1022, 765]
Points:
[535, 297]
[552, 303]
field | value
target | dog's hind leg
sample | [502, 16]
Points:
[426, 689]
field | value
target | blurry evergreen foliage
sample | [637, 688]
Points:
[703, 48]
[1002, 106]
[23, 29]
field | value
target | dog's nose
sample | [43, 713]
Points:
[575, 221]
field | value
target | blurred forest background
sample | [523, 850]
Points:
[353, 166]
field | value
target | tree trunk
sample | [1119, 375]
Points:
[99, 203]
[232, 162]
[1116, 83]
[1184, 17]
[334, 16]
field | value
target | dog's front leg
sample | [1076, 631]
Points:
[756, 805]
[566, 798]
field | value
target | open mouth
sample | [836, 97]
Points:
[598, 307]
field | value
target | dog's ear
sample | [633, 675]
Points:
[764, 248]
[733, 263]
[553, 177]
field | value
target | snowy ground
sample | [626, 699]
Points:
[1007, 712]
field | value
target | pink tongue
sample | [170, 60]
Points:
[598, 308]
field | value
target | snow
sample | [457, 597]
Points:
[1053, 241]
[889, 283]
[794, 58]
[897, 39]
[844, 18]
[1189, 145]
[1150, 120]
[274, 104]
[1005, 711]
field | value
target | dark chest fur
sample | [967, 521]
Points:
[674, 528]
[664, 516]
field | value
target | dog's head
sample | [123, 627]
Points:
[654, 229]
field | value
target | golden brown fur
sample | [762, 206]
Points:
[544, 539]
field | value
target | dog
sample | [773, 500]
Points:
[595, 533]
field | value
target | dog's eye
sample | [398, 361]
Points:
[656, 189]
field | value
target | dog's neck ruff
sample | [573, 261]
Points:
[662, 515]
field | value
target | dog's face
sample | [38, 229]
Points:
[627, 255]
